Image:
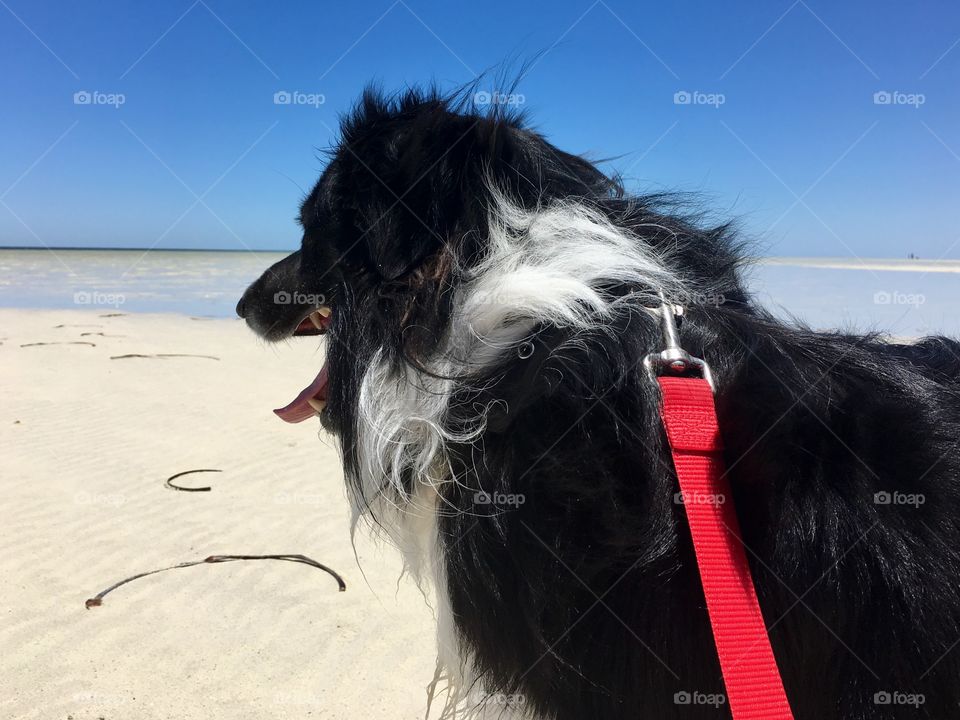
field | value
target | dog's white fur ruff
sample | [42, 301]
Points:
[543, 267]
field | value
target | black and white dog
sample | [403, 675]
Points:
[486, 301]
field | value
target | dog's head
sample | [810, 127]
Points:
[402, 206]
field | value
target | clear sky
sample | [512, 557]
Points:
[178, 141]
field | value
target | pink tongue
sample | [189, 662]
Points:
[300, 409]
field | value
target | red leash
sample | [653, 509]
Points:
[750, 674]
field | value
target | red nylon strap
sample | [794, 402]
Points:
[750, 674]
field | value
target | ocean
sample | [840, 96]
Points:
[905, 298]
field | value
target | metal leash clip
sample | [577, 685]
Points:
[674, 360]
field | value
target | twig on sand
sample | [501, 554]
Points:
[169, 482]
[87, 334]
[66, 325]
[97, 600]
[64, 342]
[162, 356]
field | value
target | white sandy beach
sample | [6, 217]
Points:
[87, 444]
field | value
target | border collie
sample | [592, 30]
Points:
[487, 301]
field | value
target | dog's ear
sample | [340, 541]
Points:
[395, 245]
[419, 177]
[422, 186]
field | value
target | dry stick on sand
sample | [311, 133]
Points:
[65, 342]
[162, 356]
[169, 481]
[97, 600]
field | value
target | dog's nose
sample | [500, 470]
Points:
[242, 306]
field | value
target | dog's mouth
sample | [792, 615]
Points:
[312, 399]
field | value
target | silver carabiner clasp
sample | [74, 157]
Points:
[673, 359]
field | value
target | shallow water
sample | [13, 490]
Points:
[901, 297]
[891, 297]
[198, 283]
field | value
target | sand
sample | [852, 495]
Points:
[87, 444]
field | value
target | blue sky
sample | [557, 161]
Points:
[782, 130]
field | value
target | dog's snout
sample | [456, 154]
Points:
[242, 306]
[276, 302]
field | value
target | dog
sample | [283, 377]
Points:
[487, 301]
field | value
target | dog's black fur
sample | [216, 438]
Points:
[585, 600]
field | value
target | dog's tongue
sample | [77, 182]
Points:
[301, 409]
